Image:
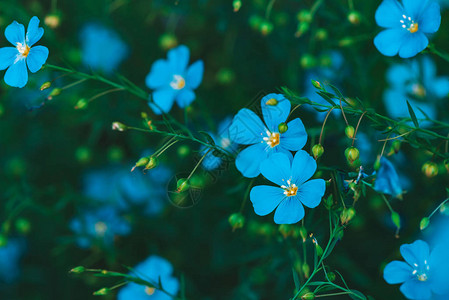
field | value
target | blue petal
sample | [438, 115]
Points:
[185, 97]
[415, 253]
[439, 268]
[389, 41]
[7, 56]
[247, 128]
[249, 159]
[387, 180]
[17, 74]
[265, 198]
[430, 18]
[178, 58]
[397, 272]
[163, 99]
[428, 70]
[36, 58]
[311, 192]
[398, 75]
[412, 44]
[295, 137]
[34, 32]
[195, 74]
[160, 75]
[15, 33]
[276, 168]
[303, 167]
[440, 87]
[389, 13]
[274, 115]
[413, 8]
[210, 162]
[290, 211]
[414, 289]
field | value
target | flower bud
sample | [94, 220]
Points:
[321, 34]
[236, 220]
[183, 151]
[285, 230]
[83, 154]
[255, 22]
[316, 84]
[347, 215]
[266, 27]
[152, 163]
[396, 146]
[283, 128]
[352, 154]
[78, 270]
[305, 270]
[424, 223]
[168, 41]
[319, 250]
[307, 61]
[346, 42]
[102, 292]
[182, 185]
[317, 151]
[236, 5]
[271, 102]
[55, 92]
[377, 164]
[119, 126]
[396, 219]
[303, 233]
[308, 296]
[45, 85]
[225, 76]
[349, 131]
[23, 225]
[446, 165]
[143, 161]
[430, 169]
[303, 27]
[52, 20]
[305, 16]
[331, 276]
[444, 209]
[354, 17]
[81, 104]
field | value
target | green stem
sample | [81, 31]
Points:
[435, 51]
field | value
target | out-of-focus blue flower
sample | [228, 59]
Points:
[153, 270]
[406, 26]
[23, 54]
[417, 82]
[387, 180]
[422, 273]
[265, 139]
[99, 227]
[222, 139]
[173, 80]
[294, 190]
[10, 255]
[102, 48]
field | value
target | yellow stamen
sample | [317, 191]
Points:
[413, 28]
[178, 82]
[422, 277]
[419, 90]
[273, 139]
[24, 49]
[149, 290]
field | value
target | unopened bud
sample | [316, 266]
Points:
[430, 169]
[352, 154]
[331, 276]
[81, 104]
[446, 165]
[424, 223]
[377, 164]
[236, 220]
[349, 131]
[285, 230]
[78, 270]
[152, 163]
[52, 20]
[102, 292]
[236, 5]
[119, 126]
[183, 151]
[345, 42]
[308, 61]
[396, 146]
[354, 17]
[317, 84]
[45, 85]
[83, 154]
[168, 41]
[271, 102]
[283, 128]
[143, 161]
[266, 27]
[182, 185]
[317, 150]
[23, 225]
[396, 219]
[321, 34]
[303, 27]
[303, 233]
[308, 296]
[306, 270]
[55, 92]
[347, 215]
[305, 16]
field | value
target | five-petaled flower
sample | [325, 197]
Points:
[294, 190]
[173, 81]
[266, 139]
[423, 272]
[23, 53]
[406, 26]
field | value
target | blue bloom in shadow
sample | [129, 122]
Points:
[23, 54]
[407, 26]
[173, 80]
[154, 269]
[265, 139]
[294, 190]
[387, 180]
[10, 255]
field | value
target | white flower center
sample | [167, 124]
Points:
[178, 82]
[290, 189]
[225, 143]
[418, 90]
[409, 24]
[272, 139]
[421, 273]
[100, 228]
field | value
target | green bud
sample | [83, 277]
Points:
[396, 219]
[78, 270]
[307, 61]
[321, 34]
[182, 185]
[3, 240]
[319, 250]
[377, 164]
[345, 42]
[115, 154]
[305, 16]
[266, 27]
[329, 202]
[303, 233]
[444, 209]
[55, 92]
[45, 85]
[316, 84]
[305, 270]
[236, 5]
[285, 230]
[168, 41]
[255, 22]
[102, 292]
[354, 17]
[349, 131]
[152, 163]
[317, 150]
[236, 220]
[183, 151]
[347, 215]
[271, 102]
[424, 223]
[303, 27]
[143, 161]
[83, 154]
[430, 169]
[225, 76]
[446, 163]
[23, 225]
[352, 154]
[283, 128]
[81, 104]
[308, 296]
[119, 126]
[331, 276]
[396, 146]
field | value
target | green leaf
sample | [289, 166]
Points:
[357, 295]
[412, 115]
[209, 139]
[327, 96]
[296, 279]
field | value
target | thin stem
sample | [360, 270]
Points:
[324, 123]
[357, 128]
[245, 197]
[435, 51]
[269, 8]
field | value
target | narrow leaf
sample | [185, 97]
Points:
[412, 114]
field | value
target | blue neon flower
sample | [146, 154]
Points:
[417, 82]
[10, 255]
[294, 191]
[422, 273]
[153, 270]
[387, 179]
[99, 227]
[173, 80]
[102, 48]
[265, 139]
[406, 26]
[23, 54]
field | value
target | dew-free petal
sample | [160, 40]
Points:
[412, 44]
[246, 128]
[248, 160]
[397, 272]
[17, 74]
[303, 167]
[311, 192]
[178, 58]
[185, 97]
[15, 33]
[290, 211]
[36, 58]
[159, 75]
[276, 168]
[7, 57]
[266, 198]
[164, 100]
[430, 18]
[389, 13]
[295, 137]
[413, 289]
[34, 32]
[195, 74]
[415, 253]
[274, 115]
[389, 41]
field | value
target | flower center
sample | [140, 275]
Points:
[149, 290]
[273, 139]
[419, 90]
[409, 24]
[100, 228]
[421, 273]
[23, 49]
[290, 189]
[178, 82]
[225, 143]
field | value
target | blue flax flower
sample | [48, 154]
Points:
[294, 191]
[153, 270]
[173, 80]
[99, 227]
[265, 139]
[417, 82]
[387, 180]
[102, 48]
[10, 255]
[422, 273]
[406, 26]
[16, 58]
